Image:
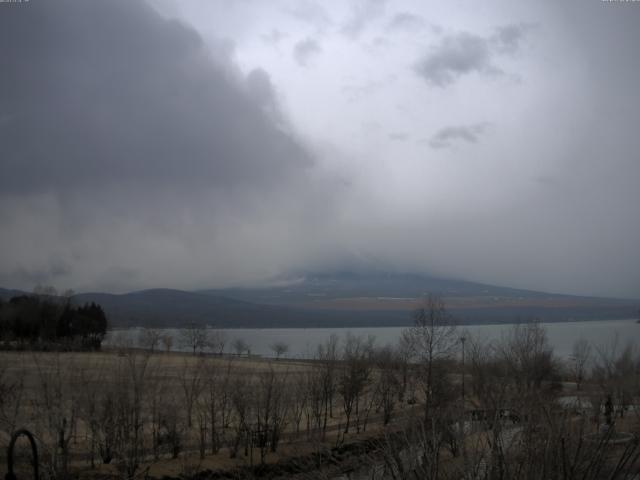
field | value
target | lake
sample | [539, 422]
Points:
[303, 342]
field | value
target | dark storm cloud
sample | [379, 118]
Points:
[49, 274]
[130, 146]
[261, 90]
[102, 92]
[447, 136]
[464, 53]
[304, 50]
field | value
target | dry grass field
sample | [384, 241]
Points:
[130, 413]
[73, 403]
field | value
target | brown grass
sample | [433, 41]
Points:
[28, 368]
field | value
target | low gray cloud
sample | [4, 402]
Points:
[465, 53]
[405, 21]
[310, 12]
[49, 273]
[508, 38]
[455, 56]
[356, 93]
[274, 37]
[305, 50]
[447, 136]
[398, 136]
[363, 12]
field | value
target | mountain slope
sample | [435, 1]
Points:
[385, 286]
[468, 301]
[166, 307]
[345, 299]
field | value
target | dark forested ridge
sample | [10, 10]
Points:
[45, 321]
[344, 300]
[168, 308]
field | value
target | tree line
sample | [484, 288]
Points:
[46, 320]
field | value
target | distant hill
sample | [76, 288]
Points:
[302, 288]
[469, 302]
[171, 308]
[345, 299]
[6, 294]
[166, 308]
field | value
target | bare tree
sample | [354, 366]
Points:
[130, 387]
[240, 346]
[299, 399]
[553, 446]
[492, 392]
[354, 375]
[403, 354]
[616, 370]
[149, 338]
[241, 400]
[512, 383]
[433, 340]
[407, 454]
[580, 357]
[269, 412]
[91, 378]
[107, 423]
[157, 392]
[217, 341]
[57, 407]
[528, 355]
[195, 337]
[167, 342]
[279, 348]
[328, 360]
[316, 405]
[191, 383]
[172, 427]
[216, 401]
[11, 397]
[387, 384]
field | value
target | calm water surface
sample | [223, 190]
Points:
[304, 341]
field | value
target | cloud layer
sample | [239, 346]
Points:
[446, 136]
[464, 53]
[124, 137]
[304, 50]
[181, 144]
[147, 104]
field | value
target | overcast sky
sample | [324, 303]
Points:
[208, 143]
